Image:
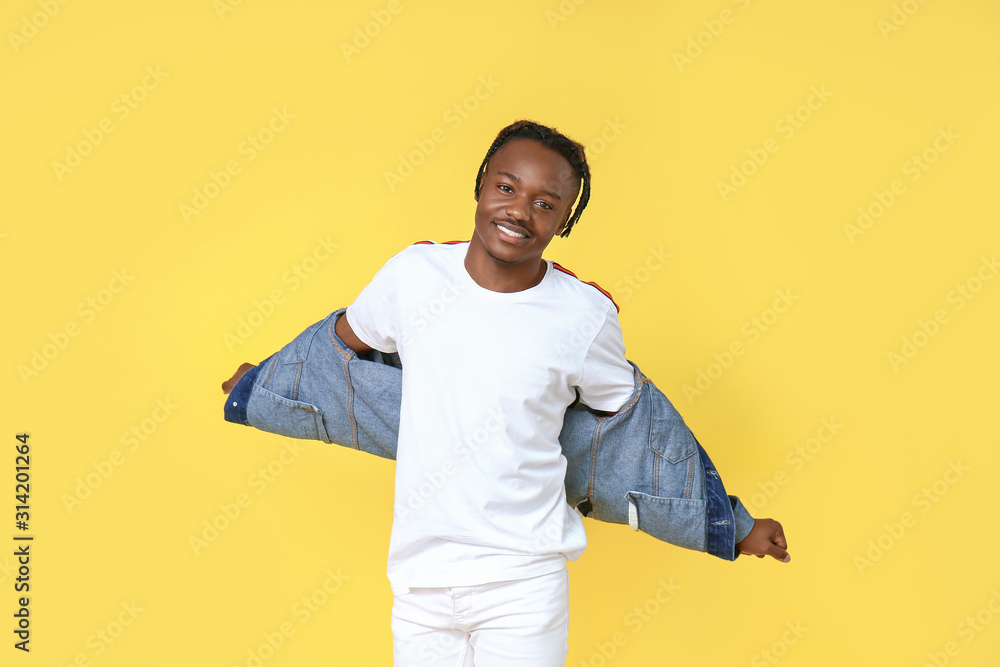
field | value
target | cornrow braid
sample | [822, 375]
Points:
[550, 138]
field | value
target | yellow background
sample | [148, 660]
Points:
[663, 132]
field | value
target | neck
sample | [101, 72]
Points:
[496, 275]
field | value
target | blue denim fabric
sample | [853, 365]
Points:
[641, 466]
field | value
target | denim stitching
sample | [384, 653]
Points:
[593, 466]
[350, 406]
[640, 380]
[316, 423]
[347, 354]
[270, 372]
[657, 462]
[689, 487]
[295, 381]
[350, 385]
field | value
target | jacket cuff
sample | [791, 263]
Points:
[236, 402]
[744, 522]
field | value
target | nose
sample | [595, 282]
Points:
[518, 208]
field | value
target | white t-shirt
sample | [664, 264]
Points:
[487, 378]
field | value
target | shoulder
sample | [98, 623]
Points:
[432, 250]
[434, 246]
[587, 290]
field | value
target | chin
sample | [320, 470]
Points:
[501, 260]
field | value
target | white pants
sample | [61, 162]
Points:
[504, 623]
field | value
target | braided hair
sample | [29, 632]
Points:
[550, 138]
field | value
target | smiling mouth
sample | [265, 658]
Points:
[507, 231]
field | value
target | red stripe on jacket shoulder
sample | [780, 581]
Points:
[603, 291]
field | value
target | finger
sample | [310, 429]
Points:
[779, 538]
[779, 553]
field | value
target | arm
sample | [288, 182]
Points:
[346, 334]
[317, 388]
[360, 405]
[344, 331]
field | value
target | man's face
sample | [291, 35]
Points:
[525, 199]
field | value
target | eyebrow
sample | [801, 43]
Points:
[518, 180]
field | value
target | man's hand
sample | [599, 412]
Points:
[766, 538]
[228, 385]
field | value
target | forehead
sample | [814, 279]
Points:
[534, 163]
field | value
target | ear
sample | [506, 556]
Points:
[482, 179]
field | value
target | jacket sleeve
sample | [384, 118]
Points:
[641, 467]
[744, 522]
[317, 388]
[728, 520]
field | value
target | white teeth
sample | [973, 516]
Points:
[510, 233]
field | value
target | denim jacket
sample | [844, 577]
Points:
[640, 466]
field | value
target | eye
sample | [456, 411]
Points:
[505, 188]
[544, 204]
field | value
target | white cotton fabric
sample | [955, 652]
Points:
[487, 378]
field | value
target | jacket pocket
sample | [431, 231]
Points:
[274, 413]
[678, 521]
